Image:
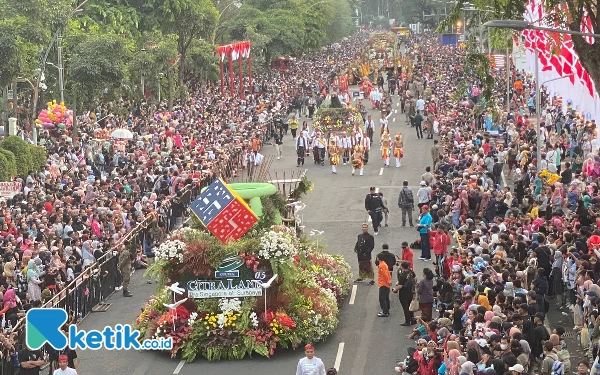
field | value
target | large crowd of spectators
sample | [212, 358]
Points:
[96, 190]
[525, 242]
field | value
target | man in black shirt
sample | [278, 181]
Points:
[567, 175]
[387, 257]
[374, 206]
[30, 362]
[363, 249]
[177, 209]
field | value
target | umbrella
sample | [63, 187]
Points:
[122, 134]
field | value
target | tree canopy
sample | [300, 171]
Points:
[108, 45]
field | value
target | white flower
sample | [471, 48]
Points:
[192, 318]
[254, 319]
[221, 320]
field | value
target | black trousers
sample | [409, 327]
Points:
[419, 130]
[301, 154]
[384, 299]
[405, 301]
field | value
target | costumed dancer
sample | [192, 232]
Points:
[398, 149]
[365, 143]
[347, 148]
[334, 155]
[385, 148]
[357, 160]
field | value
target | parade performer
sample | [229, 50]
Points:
[385, 148]
[334, 155]
[346, 148]
[357, 160]
[365, 143]
[398, 149]
[366, 86]
[320, 146]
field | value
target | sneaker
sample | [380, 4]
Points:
[403, 225]
[406, 324]
[412, 226]
[372, 282]
[383, 315]
[358, 280]
[376, 233]
[421, 258]
[386, 225]
[426, 259]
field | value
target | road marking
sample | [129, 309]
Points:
[381, 171]
[338, 357]
[394, 119]
[179, 367]
[395, 111]
[353, 294]
[503, 179]
[397, 104]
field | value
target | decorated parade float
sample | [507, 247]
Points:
[383, 50]
[330, 119]
[236, 284]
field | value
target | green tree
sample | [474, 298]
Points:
[38, 156]
[189, 20]
[98, 62]
[20, 150]
[8, 165]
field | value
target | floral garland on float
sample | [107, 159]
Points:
[328, 119]
[229, 314]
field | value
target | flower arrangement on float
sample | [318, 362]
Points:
[301, 304]
[336, 119]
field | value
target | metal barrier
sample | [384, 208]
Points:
[88, 291]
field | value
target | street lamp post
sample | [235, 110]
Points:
[521, 25]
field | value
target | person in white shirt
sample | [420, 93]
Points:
[552, 157]
[383, 124]
[421, 105]
[366, 144]
[370, 127]
[424, 194]
[63, 368]
[310, 365]
[301, 147]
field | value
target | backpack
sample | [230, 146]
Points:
[565, 357]
[558, 368]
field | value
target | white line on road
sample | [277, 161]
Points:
[397, 104]
[394, 119]
[395, 111]
[381, 171]
[338, 357]
[179, 367]
[353, 294]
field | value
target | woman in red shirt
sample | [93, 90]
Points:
[407, 255]
[441, 241]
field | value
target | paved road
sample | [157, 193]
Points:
[364, 343]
